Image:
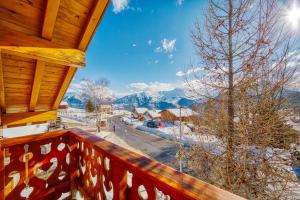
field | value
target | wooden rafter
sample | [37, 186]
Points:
[2, 94]
[94, 19]
[64, 86]
[69, 57]
[12, 119]
[40, 65]
[47, 32]
[50, 18]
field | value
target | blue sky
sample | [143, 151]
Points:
[142, 44]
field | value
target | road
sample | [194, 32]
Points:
[156, 147]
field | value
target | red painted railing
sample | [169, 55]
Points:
[56, 164]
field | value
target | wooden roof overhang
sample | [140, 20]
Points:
[42, 43]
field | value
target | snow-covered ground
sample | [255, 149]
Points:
[24, 130]
[281, 158]
[81, 115]
[296, 126]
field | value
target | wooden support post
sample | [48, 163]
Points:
[68, 78]
[2, 94]
[40, 65]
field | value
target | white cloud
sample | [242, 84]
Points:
[180, 73]
[119, 5]
[150, 88]
[168, 45]
[179, 2]
[170, 56]
[138, 86]
[158, 49]
[149, 42]
[188, 71]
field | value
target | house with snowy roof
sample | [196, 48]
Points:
[174, 114]
[138, 113]
[152, 115]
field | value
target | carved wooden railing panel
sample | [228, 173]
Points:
[122, 174]
[36, 167]
[56, 164]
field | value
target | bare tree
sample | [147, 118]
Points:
[245, 50]
[97, 93]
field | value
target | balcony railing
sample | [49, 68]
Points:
[57, 165]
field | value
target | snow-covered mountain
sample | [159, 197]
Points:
[162, 100]
[74, 100]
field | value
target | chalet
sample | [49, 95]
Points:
[63, 105]
[138, 113]
[42, 45]
[106, 108]
[152, 115]
[174, 114]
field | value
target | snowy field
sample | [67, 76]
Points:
[24, 130]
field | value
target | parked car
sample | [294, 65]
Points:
[159, 123]
[150, 124]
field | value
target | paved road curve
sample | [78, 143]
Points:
[156, 147]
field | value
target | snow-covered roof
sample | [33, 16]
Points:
[185, 112]
[154, 113]
[141, 110]
[63, 103]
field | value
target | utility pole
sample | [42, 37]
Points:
[180, 141]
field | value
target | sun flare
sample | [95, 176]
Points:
[293, 15]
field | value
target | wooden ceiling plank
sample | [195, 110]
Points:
[93, 21]
[39, 70]
[14, 38]
[64, 86]
[28, 117]
[69, 57]
[50, 18]
[2, 94]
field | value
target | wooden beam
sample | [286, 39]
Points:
[39, 69]
[69, 57]
[2, 94]
[95, 16]
[64, 86]
[93, 21]
[50, 18]
[28, 117]
[47, 31]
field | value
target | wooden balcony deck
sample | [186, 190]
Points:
[53, 165]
